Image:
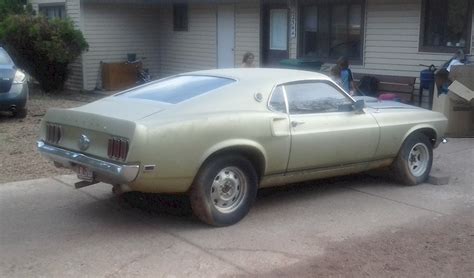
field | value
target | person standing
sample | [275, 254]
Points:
[346, 75]
[248, 60]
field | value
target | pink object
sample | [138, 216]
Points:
[388, 96]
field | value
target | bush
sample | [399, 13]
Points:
[41, 47]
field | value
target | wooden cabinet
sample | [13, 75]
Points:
[119, 76]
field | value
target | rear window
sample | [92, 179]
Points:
[4, 58]
[178, 89]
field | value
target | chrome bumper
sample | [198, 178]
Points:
[104, 171]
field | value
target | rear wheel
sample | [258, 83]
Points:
[413, 163]
[224, 190]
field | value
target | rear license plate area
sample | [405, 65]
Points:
[85, 173]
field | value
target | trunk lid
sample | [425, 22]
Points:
[99, 121]
[123, 108]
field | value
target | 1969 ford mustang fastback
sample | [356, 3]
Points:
[219, 135]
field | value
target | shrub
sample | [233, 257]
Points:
[43, 48]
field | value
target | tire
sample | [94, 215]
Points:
[20, 113]
[413, 163]
[224, 190]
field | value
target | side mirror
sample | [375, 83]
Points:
[359, 106]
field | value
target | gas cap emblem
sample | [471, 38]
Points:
[84, 142]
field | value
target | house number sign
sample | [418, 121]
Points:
[292, 19]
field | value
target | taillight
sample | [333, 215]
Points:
[118, 148]
[53, 133]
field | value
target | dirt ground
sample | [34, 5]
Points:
[441, 247]
[19, 159]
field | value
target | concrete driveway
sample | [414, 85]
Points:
[47, 228]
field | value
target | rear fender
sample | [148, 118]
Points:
[235, 144]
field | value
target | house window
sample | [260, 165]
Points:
[330, 30]
[446, 25]
[53, 11]
[180, 17]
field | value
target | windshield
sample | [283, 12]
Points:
[178, 89]
[4, 58]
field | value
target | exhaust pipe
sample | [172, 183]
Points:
[119, 189]
[13, 109]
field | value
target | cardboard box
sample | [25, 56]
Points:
[458, 107]
[463, 74]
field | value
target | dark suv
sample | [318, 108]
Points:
[13, 87]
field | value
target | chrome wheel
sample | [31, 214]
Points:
[418, 159]
[228, 189]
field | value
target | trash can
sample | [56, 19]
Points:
[427, 80]
[301, 64]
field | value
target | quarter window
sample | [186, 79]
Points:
[316, 97]
[446, 25]
[277, 102]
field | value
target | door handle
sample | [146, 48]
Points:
[296, 123]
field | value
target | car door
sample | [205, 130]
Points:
[325, 129]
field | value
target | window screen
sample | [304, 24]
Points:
[4, 58]
[446, 25]
[180, 17]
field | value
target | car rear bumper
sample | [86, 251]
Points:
[16, 97]
[104, 171]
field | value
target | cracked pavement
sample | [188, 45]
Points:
[48, 228]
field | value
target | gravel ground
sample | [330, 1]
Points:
[19, 158]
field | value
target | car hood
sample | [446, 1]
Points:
[123, 108]
[374, 103]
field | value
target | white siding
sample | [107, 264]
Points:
[112, 31]
[392, 39]
[75, 80]
[195, 49]
[247, 31]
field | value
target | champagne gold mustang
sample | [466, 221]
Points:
[220, 135]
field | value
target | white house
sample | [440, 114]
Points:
[391, 37]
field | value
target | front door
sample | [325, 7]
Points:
[225, 36]
[275, 35]
[325, 131]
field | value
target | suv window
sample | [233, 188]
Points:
[4, 58]
[177, 89]
[316, 97]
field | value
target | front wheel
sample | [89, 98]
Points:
[20, 113]
[224, 190]
[413, 163]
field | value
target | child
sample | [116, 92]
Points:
[346, 75]
[248, 60]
